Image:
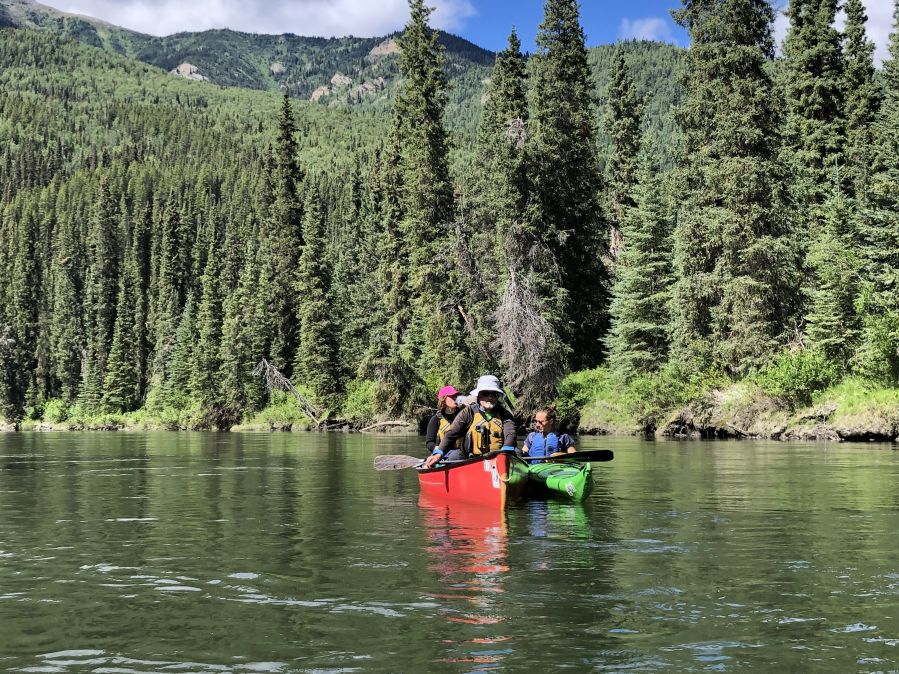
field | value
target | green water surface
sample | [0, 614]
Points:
[288, 553]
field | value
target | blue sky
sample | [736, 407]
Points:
[485, 22]
[603, 21]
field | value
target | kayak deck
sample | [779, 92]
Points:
[566, 479]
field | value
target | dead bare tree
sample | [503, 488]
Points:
[275, 381]
[530, 348]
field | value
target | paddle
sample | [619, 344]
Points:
[403, 461]
[397, 462]
[589, 455]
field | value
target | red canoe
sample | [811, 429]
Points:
[489, 482]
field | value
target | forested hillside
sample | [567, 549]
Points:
[340, 72]
[687, 222]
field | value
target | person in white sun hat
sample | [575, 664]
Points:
[485, 424]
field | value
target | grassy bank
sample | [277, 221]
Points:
[674, 404]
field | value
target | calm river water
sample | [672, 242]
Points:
[288, 553]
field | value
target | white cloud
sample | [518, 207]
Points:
[326, 18]
[650, 28]
[879, 27]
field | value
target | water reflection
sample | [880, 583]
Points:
[467, 547]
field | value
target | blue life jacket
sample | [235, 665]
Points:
[541, 446]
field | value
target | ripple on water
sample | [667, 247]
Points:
[101, 662]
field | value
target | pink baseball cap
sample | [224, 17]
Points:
[446, 391]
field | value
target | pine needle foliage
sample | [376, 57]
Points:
[733, 258]
[566, 178]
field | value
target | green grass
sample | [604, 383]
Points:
[282, 413]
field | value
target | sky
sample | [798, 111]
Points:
[484, 22]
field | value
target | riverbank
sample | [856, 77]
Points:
[850, 411]
[593, 402]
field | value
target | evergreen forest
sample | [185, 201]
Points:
[701, 240]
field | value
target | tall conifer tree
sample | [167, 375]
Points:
[101, 292]
[514, 253]
[832, 321]
[67, 334]
[435, 336]
[566, 176]
[861, 99]
[879, 301]
[813, 85]
[732, 251]
[638, 339]
[624, 114]
[316, 365]
[282, 242]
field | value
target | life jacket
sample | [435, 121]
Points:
[484, 435]
[543, 446]
[441, 431]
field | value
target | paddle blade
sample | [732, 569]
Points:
[589, 455]
[396, 462]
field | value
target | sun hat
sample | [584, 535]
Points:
[447, 391]
[487, 383]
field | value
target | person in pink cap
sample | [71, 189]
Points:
[446, 413]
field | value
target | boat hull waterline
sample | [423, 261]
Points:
[492, 481]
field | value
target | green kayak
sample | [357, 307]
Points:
[567, 479]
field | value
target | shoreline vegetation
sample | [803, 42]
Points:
[593, 402]
[177, 255]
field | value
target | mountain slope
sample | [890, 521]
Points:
[231, 58]
[349, 71]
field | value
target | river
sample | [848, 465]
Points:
[287, 553]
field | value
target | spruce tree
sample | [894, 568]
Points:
[566, 176]
[879, 229]
[434, 337]
[175, 390]
[204, 380]
[623, 117]
[282, 241]
[813, 86]
[121, 387]
[638, 339]
[315, 365]
[67, 332]
[18, 330]
[501, 171]
[242, 343]
[733, 259]
[101, 292]
[501, 194]
[832, 322]
[390, 359]
[861, 99]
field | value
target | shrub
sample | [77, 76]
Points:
[56, 411]
[796, 377]
[359, 405]
[282, 411]
[580, 388]
[649, 397]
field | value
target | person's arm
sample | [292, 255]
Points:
[510, 433]
[431, 434]
[567, 444]
[526, 448]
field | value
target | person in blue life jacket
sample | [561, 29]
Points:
[447, 408]
[484, 426]
[544, 441]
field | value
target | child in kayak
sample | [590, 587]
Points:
[544, 441]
